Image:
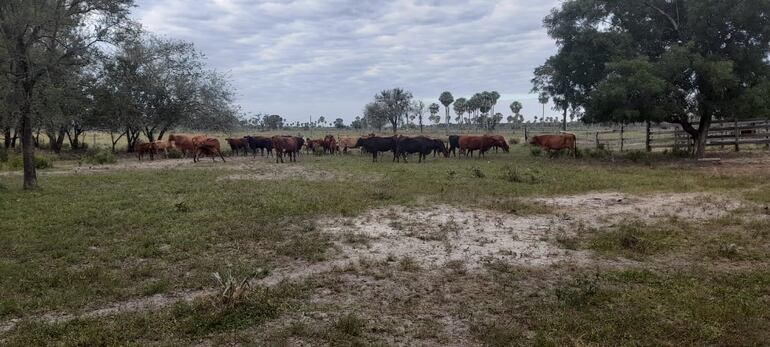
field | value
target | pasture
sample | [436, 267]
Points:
[513, 249]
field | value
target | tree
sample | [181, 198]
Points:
[375, 115]
[446, 99]
[434, 117]
[543, 99]
[494, 96]
[39, 38]
[357, 123]
[661, 61]
[460, 108]
[394, 105]
[516, 108]
[339, 123]
[273, 122]
[418, 110]
[322, 120]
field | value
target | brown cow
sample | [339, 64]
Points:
[286, 144]
[162, 146]
[207, 146]
[468, 144]
[238, 145]
[182, 142]
[330, 144]
[146, 148]
[500, 143]
[558, 142]
[314, 146]
[347, 143]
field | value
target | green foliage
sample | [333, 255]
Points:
[99, 156]
[476, 172]
[15, 161]
[535, 151]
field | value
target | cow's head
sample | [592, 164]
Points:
[534, 140]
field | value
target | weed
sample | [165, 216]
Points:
[476, 172]
[408, 264]
[350, 325]
[230, 290]
[536, 151]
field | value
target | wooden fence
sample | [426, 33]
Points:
[754, 133]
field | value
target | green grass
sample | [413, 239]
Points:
[85, 241]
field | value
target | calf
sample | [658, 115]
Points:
[330, 144]
[376, 144]
[146, 148]
[556, 142]
[181, 142]
[500, 143]
[162, 146]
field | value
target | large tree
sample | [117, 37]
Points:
[686, 62]
[446, 99]
[394, 105]
[43, 35]
[460, 108]
[417, 109]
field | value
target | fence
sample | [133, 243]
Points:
[735, 134]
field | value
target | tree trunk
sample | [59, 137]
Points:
[27, 145]
[7, 137]
[15, 137]
[56, 139]
[699, 136]
[564, 120]
[447, 119]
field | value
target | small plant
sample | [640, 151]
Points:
[514, 175]
[476, 172]
[181, 207]
[451, 174]
[636, 156]
[381, 194]
[99, 156]
[536, 151]
[350, 325]
[580, 293]
[513, 141]
[174, 153]
[408, 264]
[729, 251]
[231, 291]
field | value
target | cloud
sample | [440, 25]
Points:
[308, 57]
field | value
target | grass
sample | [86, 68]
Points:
[88, 240]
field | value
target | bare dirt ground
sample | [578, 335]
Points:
[378, 253]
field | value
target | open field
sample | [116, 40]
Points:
[512, 249]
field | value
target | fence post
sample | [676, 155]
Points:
[597, 139]
[647, 138]
[94, 140]
[526, 136]
[622, 140]
[737, 134]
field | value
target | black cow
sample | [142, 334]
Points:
[420, 145]
[260, 142]
[454, 144]
[376, 144]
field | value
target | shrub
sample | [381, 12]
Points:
[536, 151]
[3, 156]
[599, 153]
[476, 172]
[350, 325]
[16, 162]
[513, 141]
[99, 156]
[636, 156]
[174, 153]
[512, 174]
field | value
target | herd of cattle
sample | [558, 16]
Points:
[401, 146]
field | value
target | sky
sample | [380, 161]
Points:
[302, 58]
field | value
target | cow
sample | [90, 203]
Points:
[420, 145]
[238, 145]
[468, 144]
[500, 143]
[207, 146]
[260, 143]
[289, 145]
[454, 144]
[347, 143]
[162, 146]
[182, 142]
[558, 142]
[330, 144]
[376, 144]
[146, 148]
[315, 146]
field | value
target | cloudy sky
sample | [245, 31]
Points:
[299, 58]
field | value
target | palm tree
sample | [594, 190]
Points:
[321, 120]
[446, 99]
[516, 108]
[543, 99]
[460, 107]
[494, 95]
[434, 108]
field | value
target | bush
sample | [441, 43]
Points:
[174, 153]
[599, 153]
[636, 156]
[3, 156]
[513, 141]
[511, 174]
[99, 156]
[536, 151]
[16, 161]
[476, 172]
